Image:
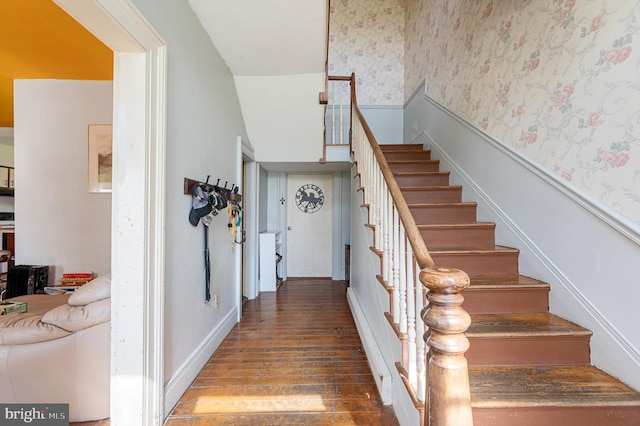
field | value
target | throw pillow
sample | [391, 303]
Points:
[97, 289]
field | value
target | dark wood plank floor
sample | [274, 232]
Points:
[294, 359]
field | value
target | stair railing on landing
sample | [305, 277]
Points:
[337, 113]
[425, 299]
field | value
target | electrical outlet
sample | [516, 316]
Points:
[216, 300]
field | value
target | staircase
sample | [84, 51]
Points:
[526, 365]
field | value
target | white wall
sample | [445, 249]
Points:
[585, 250]
[58, 222]
[263, 196]
[203, 122]
[6, 152]
[6, 159]
[385, 122]
[341, 221]
[283, 116]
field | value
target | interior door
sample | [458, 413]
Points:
[309, 225]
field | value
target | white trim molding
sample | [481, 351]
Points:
[191, 367]
[379, 369]
[138, 206]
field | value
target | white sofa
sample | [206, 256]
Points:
[59, 351]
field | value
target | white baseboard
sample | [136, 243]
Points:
[191, 367]
[381, 373]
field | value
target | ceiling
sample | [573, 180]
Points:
[38, 40]
[262, 38]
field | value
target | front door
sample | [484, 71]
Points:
[309, 225]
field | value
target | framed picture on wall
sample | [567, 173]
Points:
[100, 155]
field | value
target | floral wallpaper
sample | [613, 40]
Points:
[556, 80]
[367, 37]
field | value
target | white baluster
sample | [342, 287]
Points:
[380, 197]
[421, 348]
[411, 317]
[333, 112]
[386, 225]
[393, 253]
[402, 274]
[341, 114]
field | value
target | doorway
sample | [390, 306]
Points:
[137, 259]
[309, 226]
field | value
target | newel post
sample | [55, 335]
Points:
[447, 398]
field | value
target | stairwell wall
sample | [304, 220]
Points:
[585, 250]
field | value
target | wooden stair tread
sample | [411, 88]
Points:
[431, 188]
[522, 325]
[544, 386]
[499, 282]
[413, 160]
[440, 205]
[401, 147]
[476, 250]
[420, 173]
[456, 225]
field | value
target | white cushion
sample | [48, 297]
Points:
[75, 318]
[97, 289]
[20, 329]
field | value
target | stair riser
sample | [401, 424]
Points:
[401, 147]
[408, 155]
[565, 416]
[440, 179]
[484, 301]
[444, 214]
[479, 264]
[453, 195]
[415, 166]
[444, 238]
[533, 350]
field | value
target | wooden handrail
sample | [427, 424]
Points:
[444, 388]
[413, 233]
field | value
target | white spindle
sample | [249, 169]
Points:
[373, 196]
[341, 116]
[377, 191]
[411, 316]
[381, 206]
[333, 112]
[386, 226]
[402, 276]
[421, 347]
[393, 253]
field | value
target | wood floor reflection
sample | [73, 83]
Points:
[294, 359]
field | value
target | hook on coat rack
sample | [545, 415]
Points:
[230, 194]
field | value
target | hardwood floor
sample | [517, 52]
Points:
[294, 359]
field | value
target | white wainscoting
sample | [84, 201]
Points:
[365, 292]
[586, 251]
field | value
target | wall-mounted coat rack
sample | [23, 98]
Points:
[207, 199]
[230, 194]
